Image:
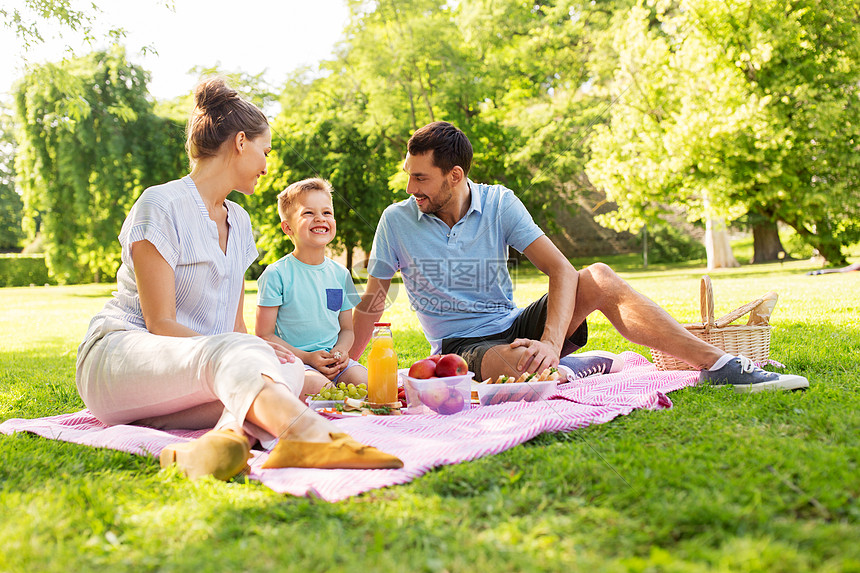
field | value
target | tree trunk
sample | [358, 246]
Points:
[718, 246]
[766, 244]
[349, 257]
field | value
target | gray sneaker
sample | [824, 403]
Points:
[745, 376]
[589, 363]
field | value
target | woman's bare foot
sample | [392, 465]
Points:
[282, 414]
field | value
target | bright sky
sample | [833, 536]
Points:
[239, 36]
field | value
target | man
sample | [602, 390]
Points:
[450, 241]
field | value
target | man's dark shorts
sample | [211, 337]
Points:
[529, 324]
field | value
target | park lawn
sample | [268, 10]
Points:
[721, 482]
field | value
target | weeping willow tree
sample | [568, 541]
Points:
[88, 145]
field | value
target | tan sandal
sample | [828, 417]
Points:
[219, 453]
[341, 453]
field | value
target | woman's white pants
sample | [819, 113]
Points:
[136, 377]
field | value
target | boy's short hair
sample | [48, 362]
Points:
[287, 198]
[449, 145]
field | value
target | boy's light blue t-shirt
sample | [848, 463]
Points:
[310, 299]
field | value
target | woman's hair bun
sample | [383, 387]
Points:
[212, 94]
[219, 114]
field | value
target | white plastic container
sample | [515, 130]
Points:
[490, 394]
[446, 396]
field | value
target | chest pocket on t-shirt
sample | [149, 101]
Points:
[334, 298]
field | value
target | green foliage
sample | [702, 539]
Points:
[11, 215]
[23, 270]
[719, 109]
[26, 18]
[507, 73]
[89, 145]
[668, 244]
[533, 64]
[318, 134]
[11, 206]
[729, 108]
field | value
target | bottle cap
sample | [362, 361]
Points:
[381, 324]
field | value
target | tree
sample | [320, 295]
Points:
[535, 68]
[514, 76]
[317, 135]
[751, 107]
[88, 146]
[28, 17]
[491, 68]
[11, 206]
[401, 65]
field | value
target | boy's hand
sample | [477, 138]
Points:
[324, 362]
[341, 357]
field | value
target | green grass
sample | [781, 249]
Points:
[721, 482]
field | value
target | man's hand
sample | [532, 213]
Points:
[539, 355]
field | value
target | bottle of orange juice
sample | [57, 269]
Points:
[382, 366]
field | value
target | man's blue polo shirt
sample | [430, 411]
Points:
[456, 278]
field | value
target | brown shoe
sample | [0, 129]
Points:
[219, 453]
[341, 453]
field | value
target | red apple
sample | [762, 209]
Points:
[434, 396]
[422, 369]
[451, 365]
[435, 358]
[453, 404]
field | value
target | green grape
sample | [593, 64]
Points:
[350, 387]
[362, 392]
[341, 386]
[363, 385]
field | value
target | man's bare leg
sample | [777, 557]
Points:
[637, 318]
[634, 316]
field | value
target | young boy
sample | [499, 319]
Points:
[305, 299]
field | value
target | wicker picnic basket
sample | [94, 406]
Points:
[751, 340]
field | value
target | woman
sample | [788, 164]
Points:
[170, 350]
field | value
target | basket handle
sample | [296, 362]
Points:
[767, 303]
[706, 301]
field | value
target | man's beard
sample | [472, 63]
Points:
[442, 198]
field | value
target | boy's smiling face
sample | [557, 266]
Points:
[311, 223]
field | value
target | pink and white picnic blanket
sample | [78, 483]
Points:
[421, 441]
